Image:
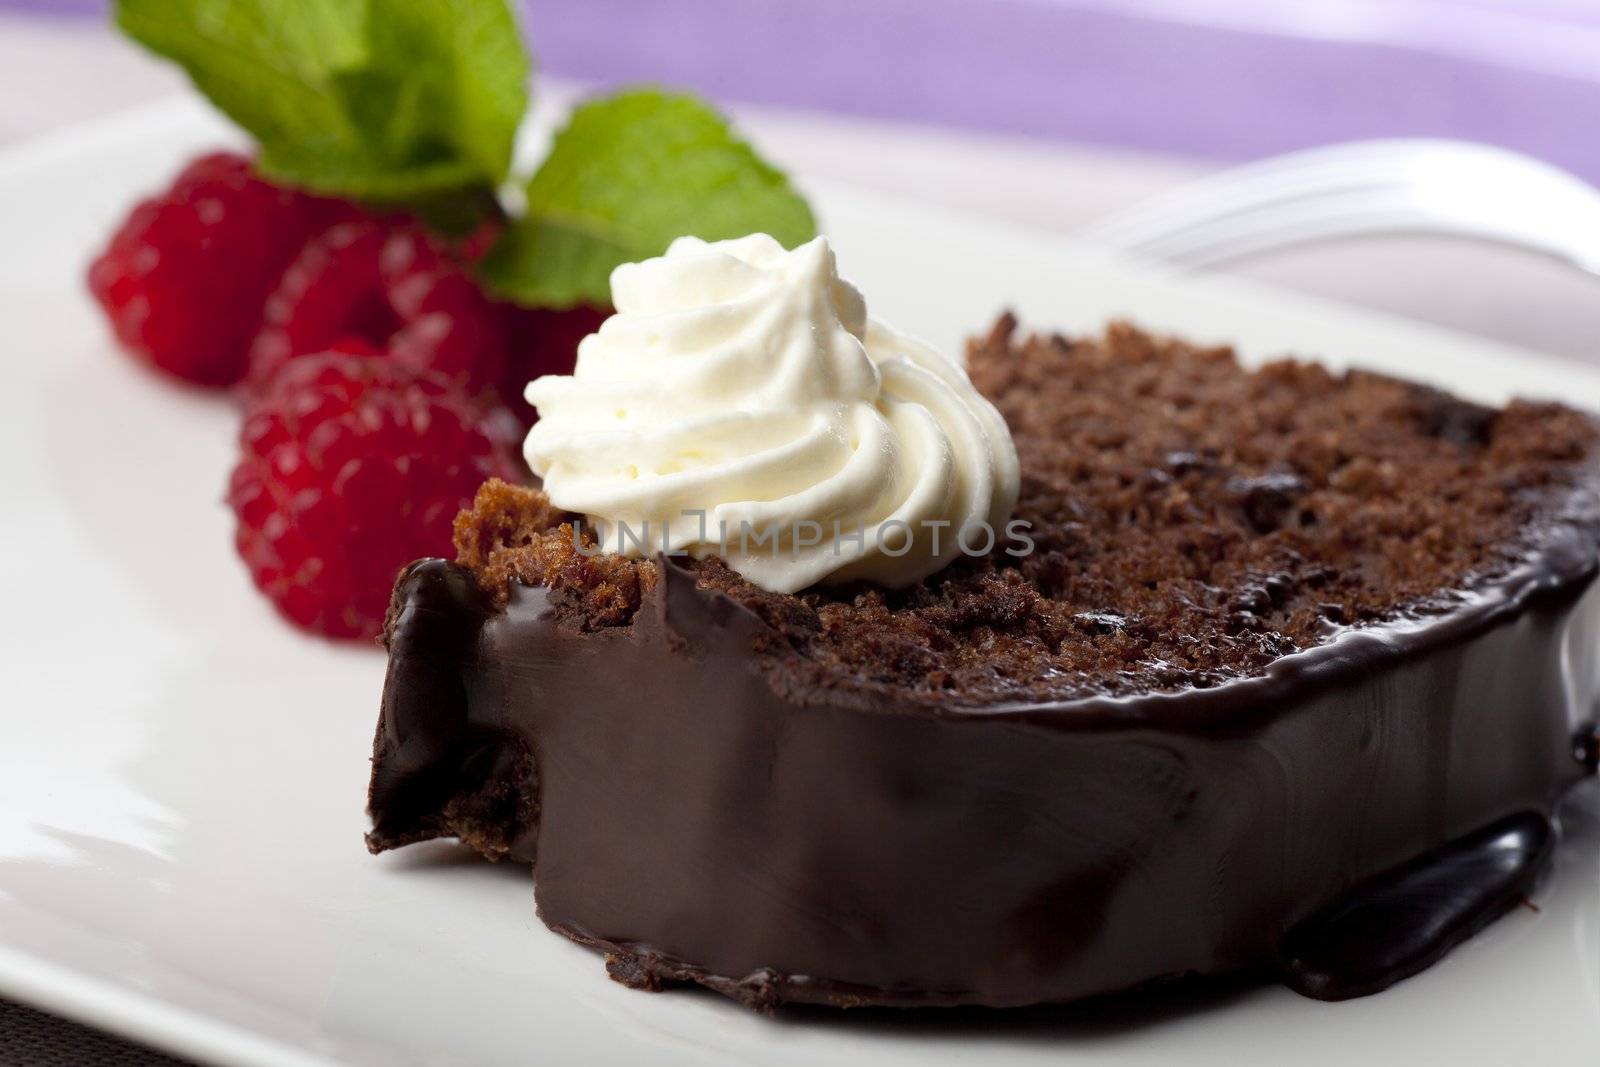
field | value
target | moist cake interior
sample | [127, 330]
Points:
[1192, 520]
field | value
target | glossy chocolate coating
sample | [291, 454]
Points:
[1409, 919]
[688, 818]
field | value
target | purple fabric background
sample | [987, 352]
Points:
[1221, 78]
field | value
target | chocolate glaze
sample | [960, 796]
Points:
[1342, 819]
[1407, 920]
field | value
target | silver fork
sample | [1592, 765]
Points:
[1447, 188]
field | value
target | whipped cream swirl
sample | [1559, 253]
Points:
[741, 403]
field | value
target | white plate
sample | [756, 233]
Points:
[182, 776]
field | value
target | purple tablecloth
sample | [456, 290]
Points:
[1222, 78]
[1218, 78]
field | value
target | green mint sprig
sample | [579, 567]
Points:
[417, 103]
[628, 174]
[386, 101]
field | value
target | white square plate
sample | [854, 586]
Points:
[182, 776]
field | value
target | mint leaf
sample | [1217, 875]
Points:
[360, 98]
[628, 174]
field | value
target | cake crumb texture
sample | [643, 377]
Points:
[1192, 521]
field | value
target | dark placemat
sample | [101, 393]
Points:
[30, 1038]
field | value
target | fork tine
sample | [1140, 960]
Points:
[1314, 172]
[1427, 186]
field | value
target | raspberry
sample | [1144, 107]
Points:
[351, 466]
[476, 244]
[543, 341]
[184, 278]
[393, 286]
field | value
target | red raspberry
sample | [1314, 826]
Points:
[475, 245]
[392, 285]
[185, 276]
[351, 466]
[543, 341]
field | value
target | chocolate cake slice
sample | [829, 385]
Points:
[1291, 681]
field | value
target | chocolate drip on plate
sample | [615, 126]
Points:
[1407, 921]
